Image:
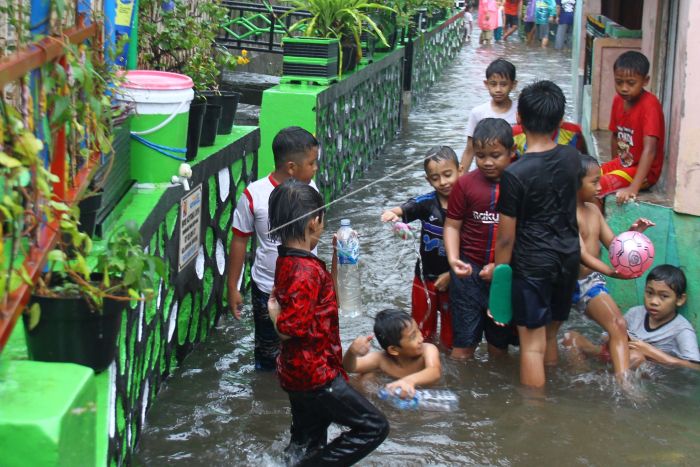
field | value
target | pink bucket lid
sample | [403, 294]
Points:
[159, 80]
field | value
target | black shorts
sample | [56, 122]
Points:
[469, 300]
[537, 302]
[529, 26]
[511, 20]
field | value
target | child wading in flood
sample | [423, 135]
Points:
[304, 311]
[441, 171]
[537, 231]
[656, 331]
[592, 296]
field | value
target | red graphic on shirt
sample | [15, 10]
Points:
[625, 143]
[312, 357]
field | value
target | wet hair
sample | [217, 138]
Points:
[292, 205]
[439, 153]
[541, 107]
[388, 326]
[670, 275]
[502, 68]
[291, 144]
[490, 130]
[587, 163]
[632, 61]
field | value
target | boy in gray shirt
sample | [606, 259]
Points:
[657, 332]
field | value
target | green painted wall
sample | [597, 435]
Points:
[675, 238]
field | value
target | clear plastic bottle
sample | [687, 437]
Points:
[436, 400]
[349, 287]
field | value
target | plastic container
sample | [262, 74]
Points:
[435, 400]
[349, 284]
[159, 127]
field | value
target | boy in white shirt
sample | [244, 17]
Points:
[296, 153]
[500, 81]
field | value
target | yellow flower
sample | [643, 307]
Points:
[244, 52]
[240, 60]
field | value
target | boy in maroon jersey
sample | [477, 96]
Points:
[470, 239]
[304, 310]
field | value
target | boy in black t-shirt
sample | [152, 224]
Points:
[442, 170]
[538, 232]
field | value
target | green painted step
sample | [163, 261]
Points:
[47, 414]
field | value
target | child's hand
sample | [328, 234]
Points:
[334, 242]
[641, 224]
[361, 346]
[235, 302]
[442, 281]
[460, 268]
[273, 306]
[625, 194]
[640, 346]
[487, 272]
[401, 388]
[500, 325]
[390, 216]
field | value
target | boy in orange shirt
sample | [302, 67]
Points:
[637, 125]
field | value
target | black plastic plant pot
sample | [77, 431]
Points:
[349, 57]
[194, 127]
[88, 213]
[212, 115]
[69, 331]
[228, 100]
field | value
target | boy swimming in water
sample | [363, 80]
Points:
[405, 356]
[656, 331]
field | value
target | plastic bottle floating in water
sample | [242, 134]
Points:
[401, 230]
[437, 400]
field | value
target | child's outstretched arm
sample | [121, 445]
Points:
[468, 155]
[658, 355]
[607, 235]
[429, 375]
[645, 161]
[392, 215]
[451, 239]
[359, 359]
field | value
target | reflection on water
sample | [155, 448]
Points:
[218, 411]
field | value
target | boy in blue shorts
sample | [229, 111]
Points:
[538, 232]
[470, 237]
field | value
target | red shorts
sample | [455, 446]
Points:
[615, 176]
[427, 318]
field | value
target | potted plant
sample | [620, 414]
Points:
[76, 306]
[181, 39]
[344, 20]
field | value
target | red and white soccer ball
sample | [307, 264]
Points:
[631, 254]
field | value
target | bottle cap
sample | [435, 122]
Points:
[344, 222]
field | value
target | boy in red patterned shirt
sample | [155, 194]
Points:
[304, 310]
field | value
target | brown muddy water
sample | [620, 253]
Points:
[216, 410]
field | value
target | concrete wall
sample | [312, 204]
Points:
[687, 130]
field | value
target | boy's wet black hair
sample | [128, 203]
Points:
[670, 275]
[541, 107]
[388, 326]
[502, 68]
[292, 205]
[587, 163]
[291, 144]
[491, 130]
[634, 62]
[439, 153]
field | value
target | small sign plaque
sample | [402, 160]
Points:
[190, 226]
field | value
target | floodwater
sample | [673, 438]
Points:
[217, 410]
